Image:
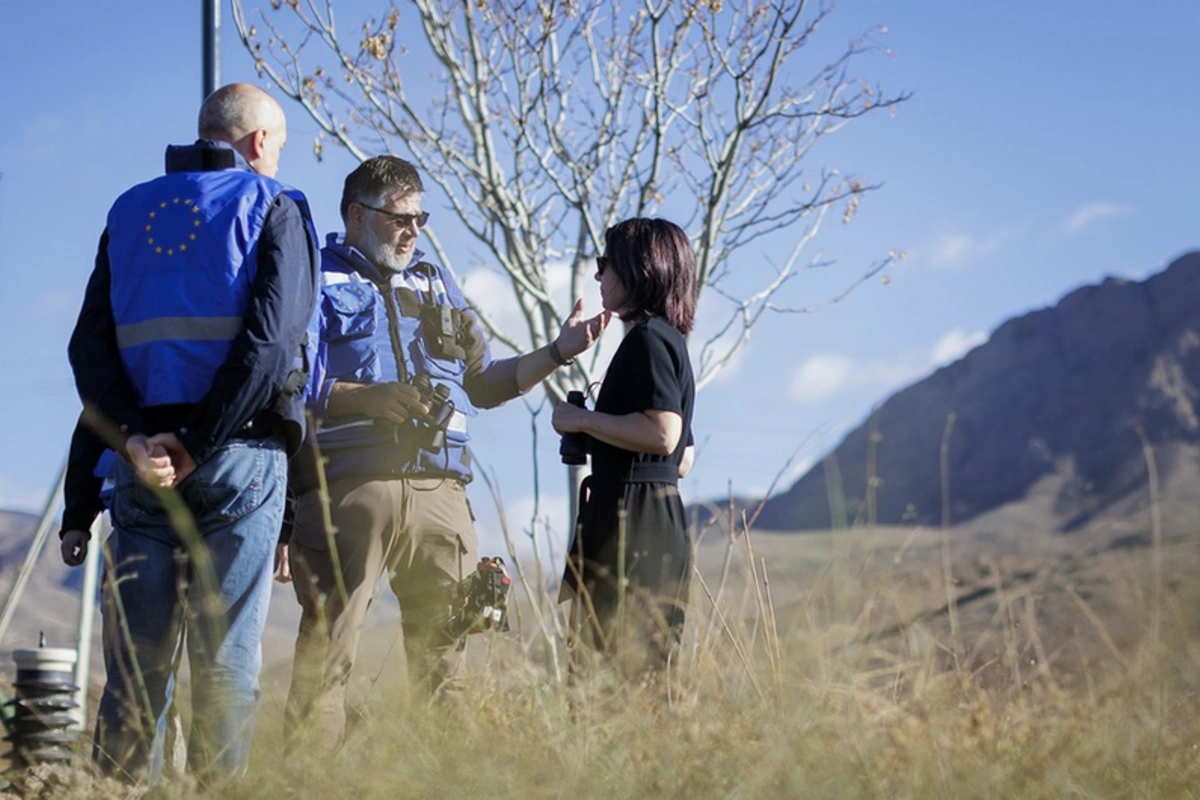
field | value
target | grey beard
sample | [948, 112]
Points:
[382, 256]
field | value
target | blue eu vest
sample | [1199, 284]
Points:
[360, 348]
[182, 252]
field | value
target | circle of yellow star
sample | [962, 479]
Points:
[181, 247]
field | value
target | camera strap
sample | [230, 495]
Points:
[390, 305]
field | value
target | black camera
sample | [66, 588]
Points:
[481, 600]
[442, 326]
[574, 446]
[431, 428]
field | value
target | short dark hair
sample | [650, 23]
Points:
[656, 264]
[370, 179]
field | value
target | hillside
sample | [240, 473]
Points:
[1061, 392]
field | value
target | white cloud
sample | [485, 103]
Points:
[558, 277]
[883, 374]
[822, 376]
[491, 291]
[712, 316]
[957, 250]
[732, 367]
[55, 301]
[1084, 216]
[829, 374]
[950, 250]
[549, 532]
[953, 345]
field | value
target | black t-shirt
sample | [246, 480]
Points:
[650, 370]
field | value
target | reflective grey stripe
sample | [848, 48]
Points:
[190, 329]
[344, 425]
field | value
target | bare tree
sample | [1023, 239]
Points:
[546, 121]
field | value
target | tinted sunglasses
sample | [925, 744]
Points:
[421, 218]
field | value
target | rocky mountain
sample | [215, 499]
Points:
[1061, 393]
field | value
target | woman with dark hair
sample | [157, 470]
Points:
[631, 559]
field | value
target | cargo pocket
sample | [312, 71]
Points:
[351, 309]
[350, 313]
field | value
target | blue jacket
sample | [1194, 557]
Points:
[84, 490]
[199, 336]
[182, 253]
[89, 484]
[359, 310]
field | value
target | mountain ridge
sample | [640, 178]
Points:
[1059, 390]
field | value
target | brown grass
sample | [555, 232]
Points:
[826, 667]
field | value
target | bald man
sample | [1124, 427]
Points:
[190, 342]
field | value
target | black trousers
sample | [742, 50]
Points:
[629, 570]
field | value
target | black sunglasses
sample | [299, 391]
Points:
[421, 218]
[601, 264]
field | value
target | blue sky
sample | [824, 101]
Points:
[1048, 144]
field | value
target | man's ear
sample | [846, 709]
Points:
[258, 144]
[354, 217]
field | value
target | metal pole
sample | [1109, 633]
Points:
[31, 557]
[87, 614]
[212, 46]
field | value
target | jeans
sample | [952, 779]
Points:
[211, 580]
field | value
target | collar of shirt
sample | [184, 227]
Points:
[204, 155]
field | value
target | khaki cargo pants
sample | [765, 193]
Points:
[420, 530]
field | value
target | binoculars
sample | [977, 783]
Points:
[574, 446]
[431, 428]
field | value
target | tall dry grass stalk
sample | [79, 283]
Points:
[947, 557]
[1033, 684]
[783, 712]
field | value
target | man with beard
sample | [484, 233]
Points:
[388, 323]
